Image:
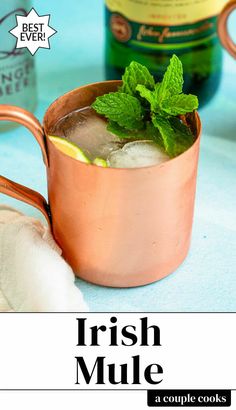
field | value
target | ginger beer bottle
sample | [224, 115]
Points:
[150, 31]
[17, 66]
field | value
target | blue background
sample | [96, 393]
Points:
[207, 279]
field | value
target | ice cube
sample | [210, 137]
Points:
[137, 154]
[89, 131]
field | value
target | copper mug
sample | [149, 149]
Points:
[116, 227]
[224, 35]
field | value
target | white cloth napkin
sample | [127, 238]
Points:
[33, 275]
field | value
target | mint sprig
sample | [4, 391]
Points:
[180, 104]
[176, 136]
[173, 81]
[121, 108]
[141, 109]
[134, 75]
[150, 96]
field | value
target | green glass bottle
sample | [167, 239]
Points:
[150, 31]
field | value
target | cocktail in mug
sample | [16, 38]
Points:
[121, 164]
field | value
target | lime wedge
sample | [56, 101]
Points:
[100, 162]
[69, 149]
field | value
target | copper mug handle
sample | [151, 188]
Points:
[224, 35]
[8, 187]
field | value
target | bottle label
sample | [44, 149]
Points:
[17, 68]
[163, 24]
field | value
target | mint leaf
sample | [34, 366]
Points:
[122, 132]
[180, 104]
[150, 96]
[174, 105]
[176, 136]
[184, 137]
[154, 134]
[167, 133]
[172, 82]
[183, 133]
[134, 75]
[122, 108]
[167, 98]
[149, 133]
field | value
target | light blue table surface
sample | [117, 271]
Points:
[207, 279]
